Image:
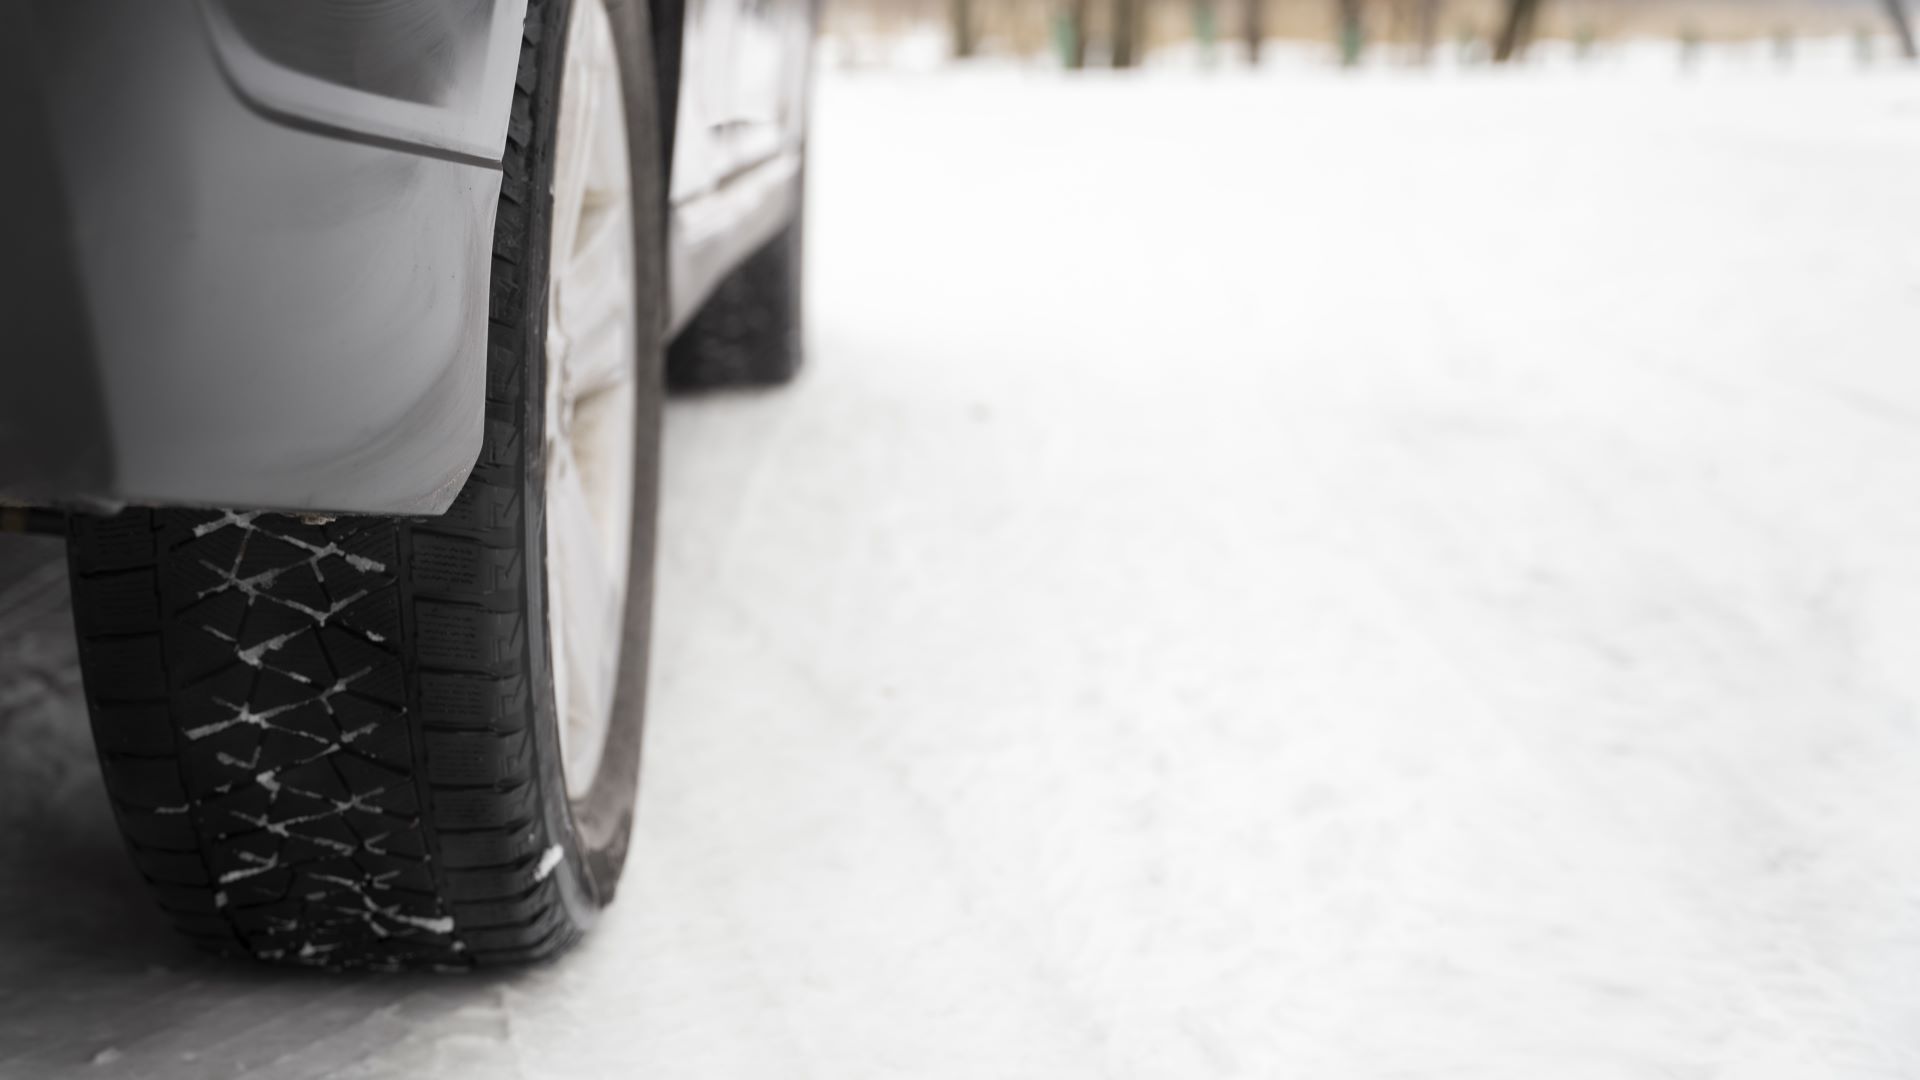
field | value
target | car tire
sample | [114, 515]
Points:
[748, 333]
[336, 743]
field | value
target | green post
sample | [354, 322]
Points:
[1467, 46]
[1204, 30]
[1353, 35]
[1070, 33]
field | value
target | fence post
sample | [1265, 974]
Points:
[960, 15]
[1126, 29]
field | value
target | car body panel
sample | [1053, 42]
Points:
[730, 118]
[258, 268]
[53, 427]
[275, 317]
[432, 76]
[740, 135]
[709, 235]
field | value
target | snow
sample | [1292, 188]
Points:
[1300, 576]
[549, 859]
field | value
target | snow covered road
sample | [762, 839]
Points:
[1303, 577]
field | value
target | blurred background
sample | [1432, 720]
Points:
[1425, 33]
[1397, 560]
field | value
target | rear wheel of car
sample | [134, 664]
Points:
[748, 333]
[382, 742]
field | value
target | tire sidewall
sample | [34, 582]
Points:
[593, 832]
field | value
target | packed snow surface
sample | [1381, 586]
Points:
[1291, 576]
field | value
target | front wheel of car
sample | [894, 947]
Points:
[384, 742]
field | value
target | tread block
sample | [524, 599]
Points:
[221, 614]
[504, 370]
[266, 621]
[474, 702]
[125, 602]
[400, 840]
[461, 567]
[374, 732]
[237, 856]
[291, 529]
[133, 729]
[300, 585]
[504, 292]
[500, 453]
[121, 542]
[369, 670]
[230, 756]
[317, 725]
[488, 914]
[240, 811]
[303, 659]
[321, 779]
[158, 831]
[148, 783]
[265, 558]
[375, 617]
[468, 639]
[172, 868]
[125, 669]
[213, 699]
[468, 759]
[480, 510]
[512, 884]
[185, 899]
[220, 547]
[325, 838]
[489, 809]
[364, 778]
[376, 543]
[506, 847]
[515, 935]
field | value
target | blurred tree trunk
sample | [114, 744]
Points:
[1077, 34]
[1126, 32]
[961, 14]
[1351, 31]
[1903, 28]
[1254, 27]
[1515, 30]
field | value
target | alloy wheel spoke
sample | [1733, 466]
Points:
[591, 358]
[596, 312]
[589, 609]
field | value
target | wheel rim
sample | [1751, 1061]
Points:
[591, 354]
